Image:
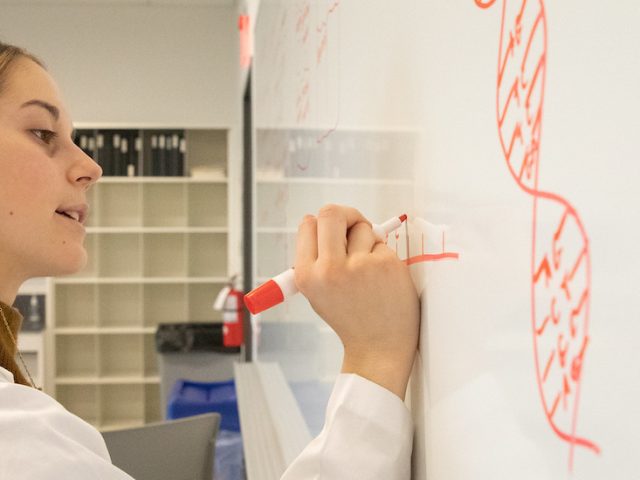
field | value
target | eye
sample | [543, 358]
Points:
[47, 136]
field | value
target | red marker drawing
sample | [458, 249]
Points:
[283, 286]
[560, 257]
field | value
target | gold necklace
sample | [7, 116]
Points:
[15, 344]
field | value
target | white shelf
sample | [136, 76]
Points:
[138, 280]
[143, 230]
[342, 128]
[120, 380]
[147, 126]
[179, 180]
[335, 181]
[105, 330]
[34, 286]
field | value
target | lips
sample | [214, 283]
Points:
[76, 212]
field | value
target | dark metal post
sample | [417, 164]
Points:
[247, 214]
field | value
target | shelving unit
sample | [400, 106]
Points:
[158, 251]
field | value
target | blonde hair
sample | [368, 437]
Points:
[9, 55]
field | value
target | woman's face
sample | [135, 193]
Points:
[44, 178]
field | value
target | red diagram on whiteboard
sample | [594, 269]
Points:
[413, 249]
[560, 259]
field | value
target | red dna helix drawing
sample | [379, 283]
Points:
[560, 259]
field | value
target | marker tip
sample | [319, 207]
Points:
[403, 217]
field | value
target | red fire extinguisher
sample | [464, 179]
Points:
[230, 302]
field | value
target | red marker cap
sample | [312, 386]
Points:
[265, 296]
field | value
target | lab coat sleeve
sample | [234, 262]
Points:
[367, 434]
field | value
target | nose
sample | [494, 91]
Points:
[84, 170]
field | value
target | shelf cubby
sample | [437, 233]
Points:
[150, 357]
[122, 405]
[207, 205]
[152, 409]
[81, 400]
[118, 205]
[119, 305]
[120, 255]
[207, 255]
[164, 303]
[120, 355]
[76, 356]
[165, 255]
[201, 298]
[76, 306]
[207, 148]
[165, 205]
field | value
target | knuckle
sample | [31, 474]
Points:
[329, 210]
[327, 274]
[307, 220]
[359, 214]
[361, 228]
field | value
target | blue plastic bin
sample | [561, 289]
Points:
[189, 398]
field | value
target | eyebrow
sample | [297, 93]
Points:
[54, 111]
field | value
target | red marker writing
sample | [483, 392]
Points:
[283, 286]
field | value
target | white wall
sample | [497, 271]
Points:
[135, 64]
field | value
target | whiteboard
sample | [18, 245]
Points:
[507, 130]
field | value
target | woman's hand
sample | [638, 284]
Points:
[363, 291]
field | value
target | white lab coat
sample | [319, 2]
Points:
[40, 440]
[367, 435]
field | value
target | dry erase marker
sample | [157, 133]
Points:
[283, 286]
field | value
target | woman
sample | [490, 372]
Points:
[352, 280]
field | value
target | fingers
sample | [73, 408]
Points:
[307, 241]
[334, 221]
[336, 232]
[361, 239]
[382, 248]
